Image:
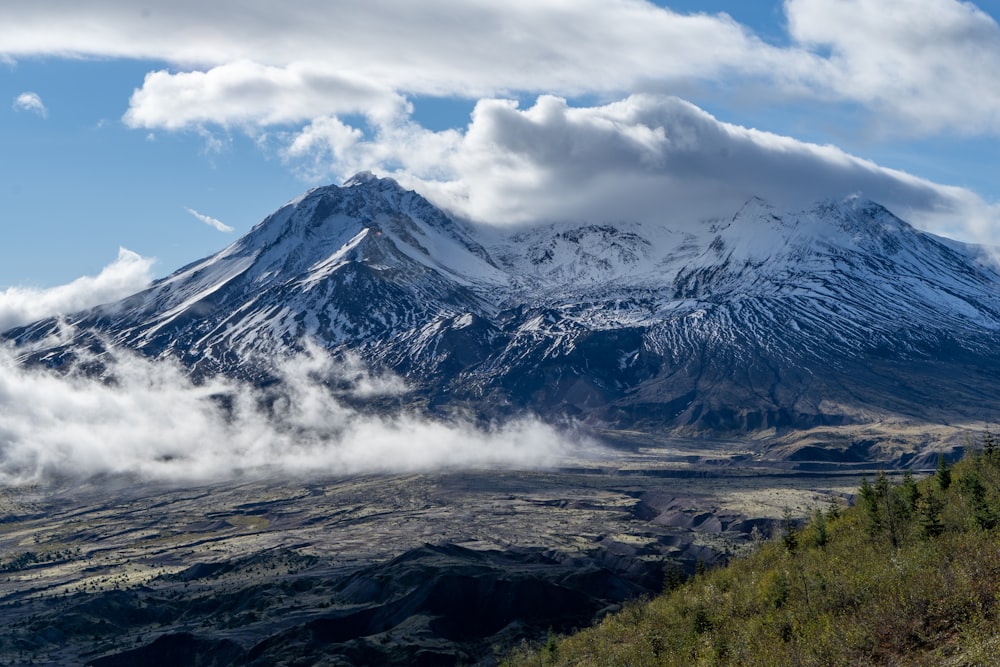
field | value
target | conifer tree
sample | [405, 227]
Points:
[929, 509]
[832, 508]
[790, 536]
[820, 534]
[975, 495]
[943, 474]
[910, 491]
[870, 504]
[891, 507]
[989, 445]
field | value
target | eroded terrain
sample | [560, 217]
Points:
[431, 568]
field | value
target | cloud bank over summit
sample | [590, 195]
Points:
[645, 158]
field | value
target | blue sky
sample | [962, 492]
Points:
[257, 101]
[78, 183]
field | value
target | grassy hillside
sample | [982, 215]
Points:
[909, 576]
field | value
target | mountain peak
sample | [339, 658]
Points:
[753, 206]
[366, 178]
[796, 317]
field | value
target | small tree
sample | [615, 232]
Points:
[870, 505]
[673, 577]
[989, 445]
[943, 473]
[929, 509]
[886, 508]
[820, 535]
[832, 508]
[975, 495]
[790, 536]
[892, 507]
[550, 651]
[911, 494]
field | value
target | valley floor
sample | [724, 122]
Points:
[432, 568]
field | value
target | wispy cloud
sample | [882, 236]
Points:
[152, 421]
[128, 274]
[29, 101]
[879, 55]
[209, 220]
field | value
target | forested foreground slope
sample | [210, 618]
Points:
[908, 576]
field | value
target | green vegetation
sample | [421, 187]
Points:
[909, 576]
[26, 559]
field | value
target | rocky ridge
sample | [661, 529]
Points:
[841, 313]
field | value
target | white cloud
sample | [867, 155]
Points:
[30, 102]
[645, 157]
[923, 65]
[247, 94]
[304, 73]
[209, 220]
[153, 422]
[437, 47]
[126, 275]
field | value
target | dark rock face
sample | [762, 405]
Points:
[337, 571]
[834, 315]
[434, 605]
[176, 649]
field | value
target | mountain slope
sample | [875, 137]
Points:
[837, 314]
[908, 577]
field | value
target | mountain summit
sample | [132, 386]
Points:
[836, 314]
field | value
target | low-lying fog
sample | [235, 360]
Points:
[147, 418]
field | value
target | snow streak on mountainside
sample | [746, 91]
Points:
[770, 318]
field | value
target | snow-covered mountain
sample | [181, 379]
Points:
[838, 313]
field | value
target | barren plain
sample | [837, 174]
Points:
[447, 567]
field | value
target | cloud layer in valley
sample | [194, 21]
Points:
[146, 418]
